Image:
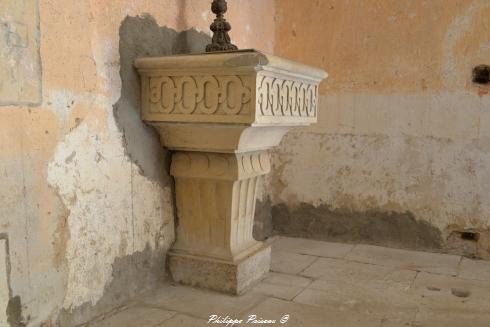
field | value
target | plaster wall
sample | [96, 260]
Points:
[401, 152]
[85, 198]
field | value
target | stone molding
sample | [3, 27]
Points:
[228, 95]
[227, 88]
[288, 98]
[220, 166]
[201, 94]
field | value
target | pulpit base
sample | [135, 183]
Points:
[220, 275]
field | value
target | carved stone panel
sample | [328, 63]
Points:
[201, 97]
[280, 97]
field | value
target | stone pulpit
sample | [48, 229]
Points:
[220, 113]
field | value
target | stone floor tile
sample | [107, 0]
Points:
[285, 292]
[311, 247]
[451, 301]
[474, 269]
[448, 318]
[421, 261]
[452, 294]
[359, 273]
[309, 316]
[285, 279]
[290, 263]
[389, 323]
[200, 303]
[373, 287]
[136, 316]
[181, 320]
[381, 303]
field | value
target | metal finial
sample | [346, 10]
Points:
[220, 27]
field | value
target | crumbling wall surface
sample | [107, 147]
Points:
[402, 143]
[86, 209]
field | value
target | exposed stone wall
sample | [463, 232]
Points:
[402, 140]
[85, 199]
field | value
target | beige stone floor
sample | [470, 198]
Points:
[329, 284]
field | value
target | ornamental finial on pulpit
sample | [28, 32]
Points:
[221, 40]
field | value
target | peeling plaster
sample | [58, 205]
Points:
[107, 198]
[89, 253]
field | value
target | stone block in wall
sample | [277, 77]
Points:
[20, 67]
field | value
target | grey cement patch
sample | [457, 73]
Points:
[142, 37]
[14, 312]
[131, 276]
[375, 227]
[262, 220]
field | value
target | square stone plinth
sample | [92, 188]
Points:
[220, 275]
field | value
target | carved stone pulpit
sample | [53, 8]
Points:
[220, 113]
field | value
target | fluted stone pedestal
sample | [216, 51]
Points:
[220, 113]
